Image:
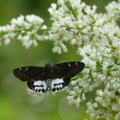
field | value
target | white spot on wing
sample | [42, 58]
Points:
[20, 69]
[40, 86]
[76, 63]
[69, 64]
[57, 85]
[26, 68]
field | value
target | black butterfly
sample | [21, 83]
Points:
[55, 77]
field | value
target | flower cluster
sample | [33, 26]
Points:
[113, 10]
[26, 29]
[97, 39]
[107, 103]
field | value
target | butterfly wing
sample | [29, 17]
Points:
[28, 73]
[68, 69]
[63, 72]
[34, 76]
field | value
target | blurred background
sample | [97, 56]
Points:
[15, 103]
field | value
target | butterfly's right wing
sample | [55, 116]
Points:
[34, 76]
[63, 72]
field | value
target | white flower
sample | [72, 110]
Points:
[73, 82]
[18, 21]
[34, 19]
[72, 93]
[7, 41]
[113, 9]
[83, 97]
[88, 9]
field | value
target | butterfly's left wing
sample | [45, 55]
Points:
[63, 72]
[34, 76]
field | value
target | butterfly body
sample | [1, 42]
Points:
[55, 77]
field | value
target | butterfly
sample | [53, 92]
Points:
[54, 78]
